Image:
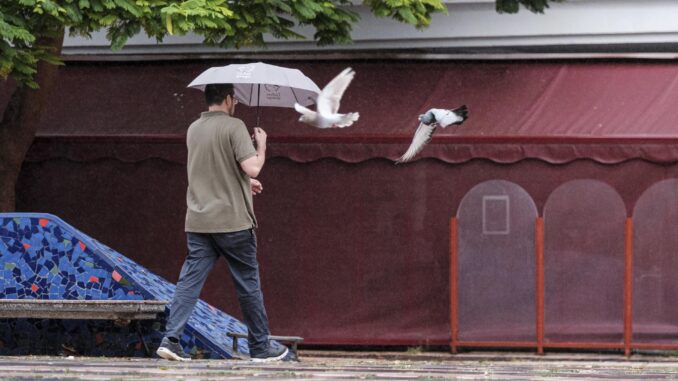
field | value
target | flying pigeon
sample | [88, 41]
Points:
[327, 110]
[428, 123]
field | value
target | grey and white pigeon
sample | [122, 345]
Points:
[428, 123]
[327, 111]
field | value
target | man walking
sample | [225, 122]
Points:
[220, 221]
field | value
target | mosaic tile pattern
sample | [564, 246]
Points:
[42, 257]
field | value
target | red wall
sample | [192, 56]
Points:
[349, 253]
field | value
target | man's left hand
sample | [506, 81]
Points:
[256, 187]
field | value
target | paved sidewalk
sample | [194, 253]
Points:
[326, 365]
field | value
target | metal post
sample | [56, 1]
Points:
[539, 252]
[628, 286]
[453, 285]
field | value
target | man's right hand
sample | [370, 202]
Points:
[259, 137]
[252, 166]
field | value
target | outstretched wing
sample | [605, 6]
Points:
[303, 110]
[330, 96]
[421, 137]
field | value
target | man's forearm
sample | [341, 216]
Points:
[261, 156]
[257, 163]
[253, 165]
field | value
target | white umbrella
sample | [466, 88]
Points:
[260, 84]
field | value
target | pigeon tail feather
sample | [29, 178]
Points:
[462, 112]
[348, 119]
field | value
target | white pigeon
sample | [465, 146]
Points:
[428, 123]
[327, 111]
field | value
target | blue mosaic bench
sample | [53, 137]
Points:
[45, 260]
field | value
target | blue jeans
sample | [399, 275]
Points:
[240, 250]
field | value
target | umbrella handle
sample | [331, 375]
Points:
[257, 125]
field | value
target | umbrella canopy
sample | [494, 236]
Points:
[260, 84]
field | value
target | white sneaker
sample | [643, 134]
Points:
[271, 354]
[171, 351]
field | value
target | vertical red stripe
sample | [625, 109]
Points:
[453, 285]
[628, 286]
[539, 269]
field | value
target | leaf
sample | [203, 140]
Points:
[97, 6]
[54, 60]
[168, 23]
[50, 7]
[73, 14]
[24, 69]
[129, 7]
[513, 6]
[108, 20]
[303, 11]
[407, 15]
[12, 32]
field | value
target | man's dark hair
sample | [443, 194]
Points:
[215, 93]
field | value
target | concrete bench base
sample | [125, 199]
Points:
[121, 311]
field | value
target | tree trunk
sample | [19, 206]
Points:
[20, 123]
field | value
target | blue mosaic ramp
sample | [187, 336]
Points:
[43, 257]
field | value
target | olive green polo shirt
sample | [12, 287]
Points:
[218, 199]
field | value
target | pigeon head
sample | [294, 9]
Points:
[427, 118]
[305, 119]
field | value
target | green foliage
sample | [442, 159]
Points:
[513, 6]
[26, 24]
[415, 12]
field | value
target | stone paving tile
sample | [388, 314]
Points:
[350, 366]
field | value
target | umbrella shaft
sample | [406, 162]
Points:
[258, 100]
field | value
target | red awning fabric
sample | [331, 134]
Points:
[606, 111]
